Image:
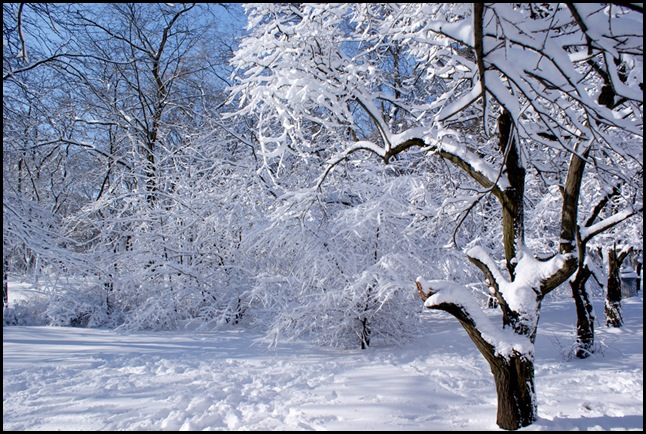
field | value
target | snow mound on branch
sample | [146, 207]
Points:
[504, 341]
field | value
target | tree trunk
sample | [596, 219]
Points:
[513, 212]
[5, 282]
[584, 314]
[638, 270]
[612, 306]
[513, 375]
[365, 334]
[514, 378]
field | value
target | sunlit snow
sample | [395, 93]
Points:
[57, 378]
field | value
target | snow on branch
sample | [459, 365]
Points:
[459, 301]
[589, 232]
[481, 259]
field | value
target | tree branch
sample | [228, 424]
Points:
[571, 193]
[478, 16]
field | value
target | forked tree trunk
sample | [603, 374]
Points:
[513, 375]
[514, 379]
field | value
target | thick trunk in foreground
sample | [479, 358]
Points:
[513, 375]
[514, 378]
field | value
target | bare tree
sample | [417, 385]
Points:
[128, 123]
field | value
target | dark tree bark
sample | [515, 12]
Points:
[584, 345]
[638, 270]
[584, 313]
[364, 337]
[612, 305]
[5, 282]
[513, 375]
[514, 380]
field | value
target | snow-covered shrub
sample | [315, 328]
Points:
[26, 312]
[341, 271]
[79, 306]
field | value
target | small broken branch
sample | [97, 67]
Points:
[424, 296]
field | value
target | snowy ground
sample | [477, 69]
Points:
[88, 379]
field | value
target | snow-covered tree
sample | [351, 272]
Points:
[356, 261]
[495, 90]
[43, 180]
[335, 265]
[125, 134]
